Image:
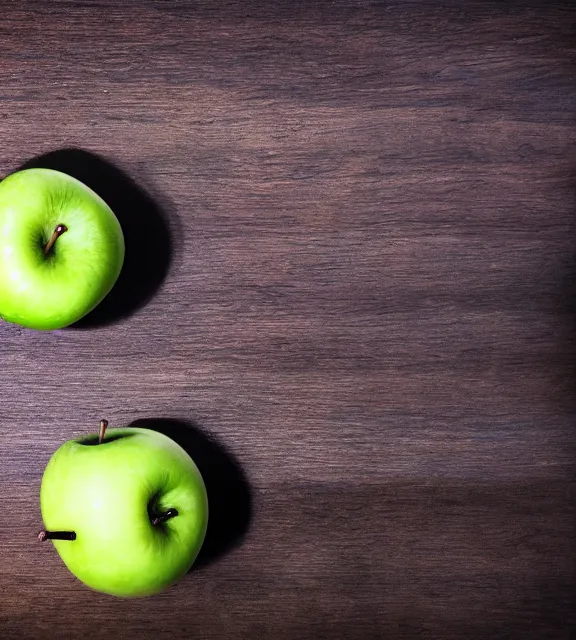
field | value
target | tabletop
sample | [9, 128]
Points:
[348, 291]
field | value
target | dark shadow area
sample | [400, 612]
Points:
[229, 496]
[92, 441]
[146, 234]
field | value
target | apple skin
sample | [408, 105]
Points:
[104, 492]
[54, 291]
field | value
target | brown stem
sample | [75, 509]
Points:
[56, 535]
[60, 229]
[171, 513]
[102, 431]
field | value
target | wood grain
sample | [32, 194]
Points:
[364, 301]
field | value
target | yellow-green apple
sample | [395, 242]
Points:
[126, 510]
[61, 249]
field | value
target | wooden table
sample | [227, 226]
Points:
[349, 289]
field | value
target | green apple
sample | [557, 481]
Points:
[61, 249]
[126, 511]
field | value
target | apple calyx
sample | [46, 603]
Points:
[56, 535]
[171, 513]
[60, 229]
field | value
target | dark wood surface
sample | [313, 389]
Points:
[350, 287]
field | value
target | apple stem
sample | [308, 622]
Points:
[60, 229]
[102, 431]
[56, 535]
[171, 513]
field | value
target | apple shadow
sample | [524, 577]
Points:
[149, 246]
[229, 495]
